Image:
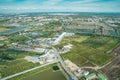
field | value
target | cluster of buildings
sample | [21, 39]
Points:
[39, 45]
[79, 73]
[3, 38]
[17, 20]
[47, 57]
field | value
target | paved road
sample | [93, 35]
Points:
[95, 68]
[111, 69]
[17, 74]
[63, 64]
[59, 38]
[59, 59]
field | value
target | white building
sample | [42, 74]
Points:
[49, 56]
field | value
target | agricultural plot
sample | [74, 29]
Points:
[47, 75]
[93, 49]
[44, 73]
[11, 67]
[3, 29]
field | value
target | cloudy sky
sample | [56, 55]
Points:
[59, 6]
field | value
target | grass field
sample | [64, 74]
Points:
[44, 73]
[11, 67]
[47, 75]
[87, 48]
[3, 29]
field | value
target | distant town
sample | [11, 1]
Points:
[60, 46]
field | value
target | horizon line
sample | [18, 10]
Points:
[53, 12]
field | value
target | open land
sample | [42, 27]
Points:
[91, 49]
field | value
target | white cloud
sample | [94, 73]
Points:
[63, 5]
[51, 2]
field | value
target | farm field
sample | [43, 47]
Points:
[3, 29]
[11, 67]
[93, 49]
[47, 75]
[44, 73]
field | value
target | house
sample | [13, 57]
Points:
[91, 76]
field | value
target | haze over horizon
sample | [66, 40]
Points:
[18, 6]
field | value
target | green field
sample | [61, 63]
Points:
[11, 67]
[47, 75]
[87, 48]
[44, 73]
[3, 29]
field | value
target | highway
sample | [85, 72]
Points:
[57, 53]
[59, 60]
[63, 64]
[17, 74]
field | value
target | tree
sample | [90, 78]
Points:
[117, 32]
[7, 56]
[101, 30]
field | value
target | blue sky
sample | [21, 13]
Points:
[59, 6]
